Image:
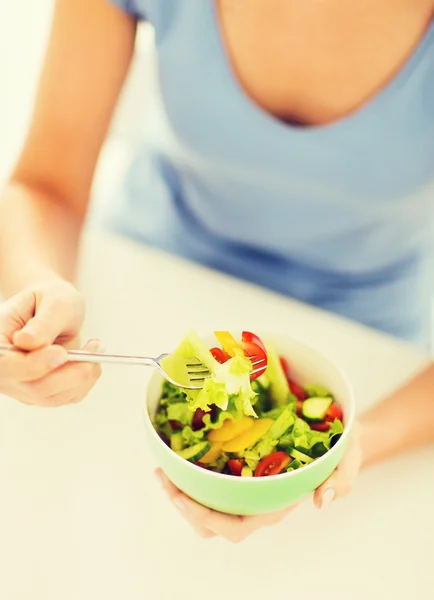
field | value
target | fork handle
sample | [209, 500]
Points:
[94, 357]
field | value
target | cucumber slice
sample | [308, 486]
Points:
[194, 453]
[177, 441]
[315, 409]
[300, 456]
[246, 472]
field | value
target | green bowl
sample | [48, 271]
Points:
[250, 495]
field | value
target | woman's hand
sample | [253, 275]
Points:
[208, 523]
[43, 321]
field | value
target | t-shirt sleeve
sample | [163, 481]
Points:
[136, 8]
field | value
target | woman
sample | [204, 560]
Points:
[295, 148]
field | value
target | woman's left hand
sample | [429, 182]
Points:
[209, 523]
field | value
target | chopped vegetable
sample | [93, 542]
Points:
[231, 429]
[264, 427]
[220, 355]
[213, 454]
[249, 437]
[228, 342]
[297, 390]
[277, 378]
[236, 466]
[315, 409]
[254, 348]
[273, 464]
[334, 412]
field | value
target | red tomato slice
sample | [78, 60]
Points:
[253, 346]
[334, 412]
[285, 366]
[320, 426]
[297, 390]
[220, 355]
[273, 464]
[251, 338]
[236, 466]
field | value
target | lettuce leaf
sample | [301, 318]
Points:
[263, 448]
[317, 391]
[192, 437]
[180, 412]
[230, 378]
[222, 416]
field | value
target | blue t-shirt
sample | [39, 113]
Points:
[338, 216]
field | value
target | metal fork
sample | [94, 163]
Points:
[186, 373]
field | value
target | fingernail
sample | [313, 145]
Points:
[97, 345]
[327, 498]
[180, 504]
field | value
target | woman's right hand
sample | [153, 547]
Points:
[43, 321]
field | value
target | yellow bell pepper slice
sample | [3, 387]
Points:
[228, 342]
[249, 437]
[212, 455]
[230, 429]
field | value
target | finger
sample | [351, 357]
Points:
[22, 366]
[14, 313]
[341, 481]
[179, 500]
[51, 317]
[72, 376]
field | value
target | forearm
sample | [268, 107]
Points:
[39, 237]
[401, 422]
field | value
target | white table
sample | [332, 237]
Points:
[81, 517]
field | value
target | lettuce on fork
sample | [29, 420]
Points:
[227, 379]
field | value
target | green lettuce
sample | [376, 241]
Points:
[228, 379]
[317, 391]
[192, 437]
[180, 412]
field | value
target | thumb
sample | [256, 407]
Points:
[45, 327]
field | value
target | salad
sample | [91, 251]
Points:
[245, 423]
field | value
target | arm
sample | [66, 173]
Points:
[401, 422]
[44, 204]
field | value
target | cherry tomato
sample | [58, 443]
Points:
[253, 346]
[285, 366]
[236, 466]
[220, 355]
[334, 412]
[320, 426]
[297, 390]
[273, 464]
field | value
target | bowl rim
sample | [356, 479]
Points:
[262, 480]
